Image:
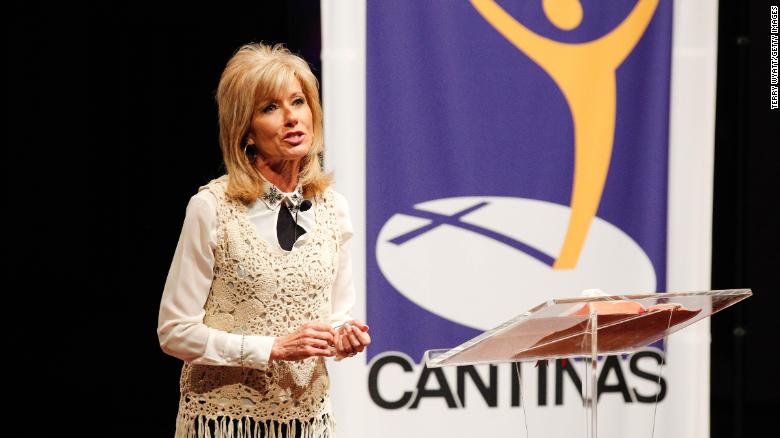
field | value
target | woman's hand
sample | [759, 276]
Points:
[312, 339]
[351, 338]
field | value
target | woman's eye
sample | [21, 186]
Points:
[299, 101]
[269, 108]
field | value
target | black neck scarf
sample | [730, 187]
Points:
[287, 230]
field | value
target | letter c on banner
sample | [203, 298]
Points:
[373, 387]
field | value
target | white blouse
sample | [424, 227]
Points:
[180, 327]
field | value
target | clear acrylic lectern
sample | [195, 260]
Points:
[587, 328]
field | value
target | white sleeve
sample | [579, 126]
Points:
[180, 326]
[343, 294]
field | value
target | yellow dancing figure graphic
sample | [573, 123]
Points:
[585, 73]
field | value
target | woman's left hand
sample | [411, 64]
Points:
[351, 338]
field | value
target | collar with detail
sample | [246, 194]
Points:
[273, 197]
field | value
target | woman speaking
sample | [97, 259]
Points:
[260, 287]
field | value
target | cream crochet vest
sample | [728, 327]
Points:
[258, 292]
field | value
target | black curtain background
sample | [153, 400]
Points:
[114, 126]
[111, 126]
[168, 70]
[745, 387]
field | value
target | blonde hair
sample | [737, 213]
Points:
[257, 72]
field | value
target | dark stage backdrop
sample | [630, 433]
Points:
[114, 127]
[166, 71]
[745, 385]
[111, 127]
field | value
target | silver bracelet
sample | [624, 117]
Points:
[241, 359]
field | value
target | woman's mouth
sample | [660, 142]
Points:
[294, 138]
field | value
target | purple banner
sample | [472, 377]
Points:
[515, 153]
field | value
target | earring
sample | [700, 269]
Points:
[250, 151]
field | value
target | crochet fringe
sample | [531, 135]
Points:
[227, 427]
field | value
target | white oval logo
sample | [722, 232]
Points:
[480, 261]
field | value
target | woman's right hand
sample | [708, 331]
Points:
[312, 339]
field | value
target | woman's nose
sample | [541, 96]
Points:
[290, 118]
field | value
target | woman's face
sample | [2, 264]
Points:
[281, 127]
